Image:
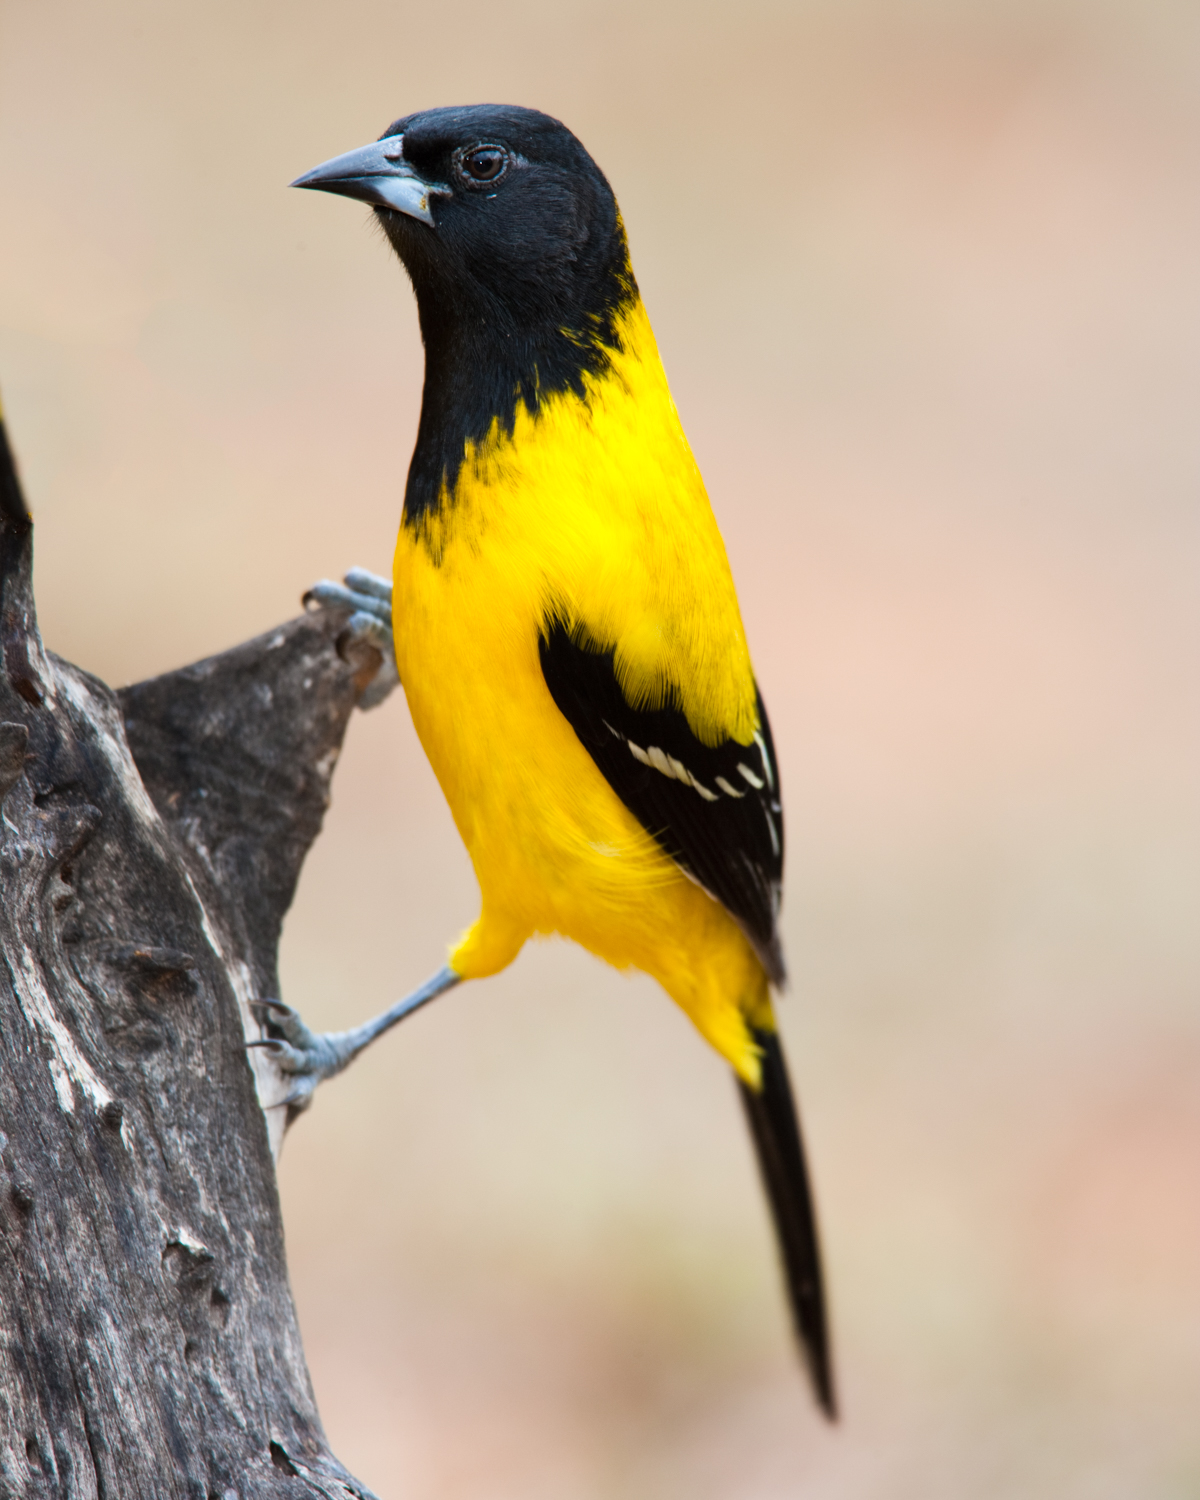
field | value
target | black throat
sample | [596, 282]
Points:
[489, 351]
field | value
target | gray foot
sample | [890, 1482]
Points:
[368, 597]
[309, 1057]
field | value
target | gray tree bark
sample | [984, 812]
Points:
[150, 843]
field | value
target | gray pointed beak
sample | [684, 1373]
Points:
[378, 174]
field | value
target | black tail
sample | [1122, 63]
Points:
[776, 1131]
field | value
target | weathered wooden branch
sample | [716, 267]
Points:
[150, 843]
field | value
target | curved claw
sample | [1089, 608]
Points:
[301, 1062]
[280, 1019]
[265, 1011]
[296, 1060]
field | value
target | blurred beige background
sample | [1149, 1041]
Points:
[925, 278]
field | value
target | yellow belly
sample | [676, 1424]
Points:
[568, 516]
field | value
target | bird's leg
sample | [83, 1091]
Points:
[369, 599]
[309, 1057]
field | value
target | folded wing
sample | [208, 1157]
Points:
[715, 810]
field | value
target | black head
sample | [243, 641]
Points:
[512, 239]
[524, 223]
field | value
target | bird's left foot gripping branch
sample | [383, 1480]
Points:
[566, 627]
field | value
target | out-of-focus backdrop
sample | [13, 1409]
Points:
[925, 279]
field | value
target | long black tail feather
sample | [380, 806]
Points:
[771, 1113]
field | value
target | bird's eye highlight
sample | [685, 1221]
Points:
[484, 163]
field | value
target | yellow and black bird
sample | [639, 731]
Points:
[565, 623]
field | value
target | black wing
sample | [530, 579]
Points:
[716, 812]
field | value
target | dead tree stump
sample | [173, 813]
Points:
[150, 843]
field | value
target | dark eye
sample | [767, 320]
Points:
[485, 163]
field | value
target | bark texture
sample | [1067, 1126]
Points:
[150, 843]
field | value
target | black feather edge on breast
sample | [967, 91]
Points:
[715, 811]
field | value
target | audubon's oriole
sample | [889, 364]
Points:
[565, 623]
